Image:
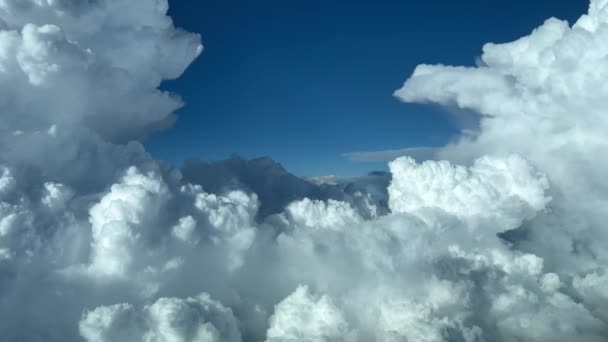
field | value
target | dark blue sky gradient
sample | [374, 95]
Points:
[303, 81]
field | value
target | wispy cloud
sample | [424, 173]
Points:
[418, 153]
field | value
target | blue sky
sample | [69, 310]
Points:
[307, 81]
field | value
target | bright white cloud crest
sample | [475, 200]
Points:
[504, 240]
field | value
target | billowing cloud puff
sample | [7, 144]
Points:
[198, 319]
[504, 240]
[500, 191]
[76, 62]
[543, 98]
[305, 317]
[325, 215]
[119, 221]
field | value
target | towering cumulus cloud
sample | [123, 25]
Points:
[504, 240]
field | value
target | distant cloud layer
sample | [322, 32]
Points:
[418, 153]
[502, 240]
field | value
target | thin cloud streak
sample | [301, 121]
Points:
[418, 153]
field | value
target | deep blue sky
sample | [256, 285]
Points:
[304, 81]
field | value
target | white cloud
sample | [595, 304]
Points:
[323, 215]
[89, 220]
[499, 190]
[543, 98]
[198, 319]
[120, 220]
[305, 317]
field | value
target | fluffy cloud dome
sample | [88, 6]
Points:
[304, 317]
[198, 319]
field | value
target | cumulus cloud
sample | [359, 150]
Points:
[503, 240]
[502, 191]
[198, 319]
[305, 317]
